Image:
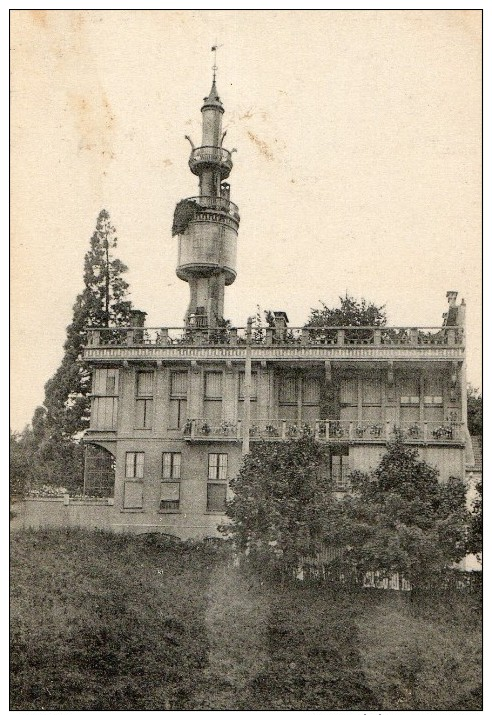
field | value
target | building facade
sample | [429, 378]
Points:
[174, 409]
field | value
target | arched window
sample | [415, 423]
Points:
[98, 472]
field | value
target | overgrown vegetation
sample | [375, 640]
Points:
[103, 621]
[398, 518]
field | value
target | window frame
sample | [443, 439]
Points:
[145, 398]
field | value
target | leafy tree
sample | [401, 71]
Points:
[20, 465]
[281, 499]
[400, 518]
[350, 312]
[102, 303]
[475, 536]
[475, 411]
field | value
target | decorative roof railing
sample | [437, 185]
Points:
[337, 336]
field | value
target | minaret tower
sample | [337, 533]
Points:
[207, 224]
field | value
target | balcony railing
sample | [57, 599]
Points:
[217, 156]
[329, 431]
[292, 337]
[216, 203]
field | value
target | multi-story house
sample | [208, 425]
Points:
[174, 409]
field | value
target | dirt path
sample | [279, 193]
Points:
[236, 620]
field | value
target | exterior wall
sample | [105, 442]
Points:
[360, 393]
[448, 460]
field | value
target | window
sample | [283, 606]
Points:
[371, 399]
[433, 390]
[134, 465]
[217, 466]
[133, 490]
[170, 483]
[253, 397]
[178, 399]
[104, 407]
[212, 405]
[339, 471]
[144, 401]
[217, 482]
[410, 391]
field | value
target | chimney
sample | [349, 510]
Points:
[137, 320]
[451, 295]
[451, 317]
[281, 321]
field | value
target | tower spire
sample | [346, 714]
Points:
[207, 224]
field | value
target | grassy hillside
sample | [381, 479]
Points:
[103, 621]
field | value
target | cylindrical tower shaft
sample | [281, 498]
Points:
[207, 224]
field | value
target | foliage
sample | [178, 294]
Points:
[96, 624]
[399, 518]
[258, 326]
[103, 621]
[350, 312]
[184, 212]
[475, 535]
[474, 411]
[20, 466]
[102, 303]
[410, 661]
[281, 499]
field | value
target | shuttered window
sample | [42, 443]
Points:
[179, 384]
[104, 413]
[133, 495]
[288, 390]
[310, 390]
[348, 391]
[216, 497]
[169, 498]
[145, 384]
[371, 391]
[105, 382]
[213, 385]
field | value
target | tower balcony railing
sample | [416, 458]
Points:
[328, 431]
[337, 336]
[210, 155]
[216, 203]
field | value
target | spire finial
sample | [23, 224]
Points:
[214, 66]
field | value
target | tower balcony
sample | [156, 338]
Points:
[216, 204]
[210, 157]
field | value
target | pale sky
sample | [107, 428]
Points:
[358, 166]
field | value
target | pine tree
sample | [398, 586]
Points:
[102, 303]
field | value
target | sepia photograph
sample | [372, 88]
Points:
[246, 360]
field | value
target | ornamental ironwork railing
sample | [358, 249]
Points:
[346, 336]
